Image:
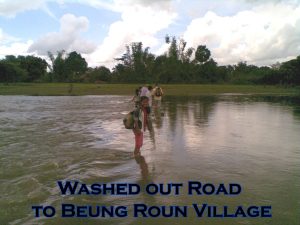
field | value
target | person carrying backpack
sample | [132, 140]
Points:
[141, 122]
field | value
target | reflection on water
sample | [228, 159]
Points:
[253, 141]
[143, 167]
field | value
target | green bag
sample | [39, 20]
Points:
[128, 121]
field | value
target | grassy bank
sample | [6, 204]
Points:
[52, 89]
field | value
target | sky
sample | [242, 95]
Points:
[260, 32]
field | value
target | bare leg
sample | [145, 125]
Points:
[138, 142]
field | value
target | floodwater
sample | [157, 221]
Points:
[251, 141]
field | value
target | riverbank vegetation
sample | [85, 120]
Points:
[178, 65]
[54, 89]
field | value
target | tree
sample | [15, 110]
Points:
[75, 66]
[173, 52]
[136, 64]
[52, 59]
[175, 67]
[24, 68]
[98, 74]
[290, 71]
[202, 54]
[67, 67]
[177, 49]
[59, 74]
[11, 72]
[35, 67]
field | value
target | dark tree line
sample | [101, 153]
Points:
[22, 68]
[138, 65]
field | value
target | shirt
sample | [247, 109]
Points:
[144, 91]
[157, 97]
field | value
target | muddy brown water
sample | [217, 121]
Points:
[252, 141]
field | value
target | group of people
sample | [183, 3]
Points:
[154, 95]
[146, 99]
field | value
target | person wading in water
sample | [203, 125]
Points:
[141, 122]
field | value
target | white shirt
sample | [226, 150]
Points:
[144, 91]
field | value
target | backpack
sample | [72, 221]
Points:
[128, 120]
[158, 92]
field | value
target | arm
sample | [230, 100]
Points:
[132, 99]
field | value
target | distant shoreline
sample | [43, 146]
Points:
[78, 89]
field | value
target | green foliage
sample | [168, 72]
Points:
[97, 75]
[22, 68]
[248, 74]
[67, 67]
[11, 72]
[287, 74]
[290, 71]
[136, 64]
[202, 54]
[35, 66]
[59, 72]
[179, 64]
[75, 66]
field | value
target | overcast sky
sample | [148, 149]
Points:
[260, 32]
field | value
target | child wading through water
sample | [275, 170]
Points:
[141, 122]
